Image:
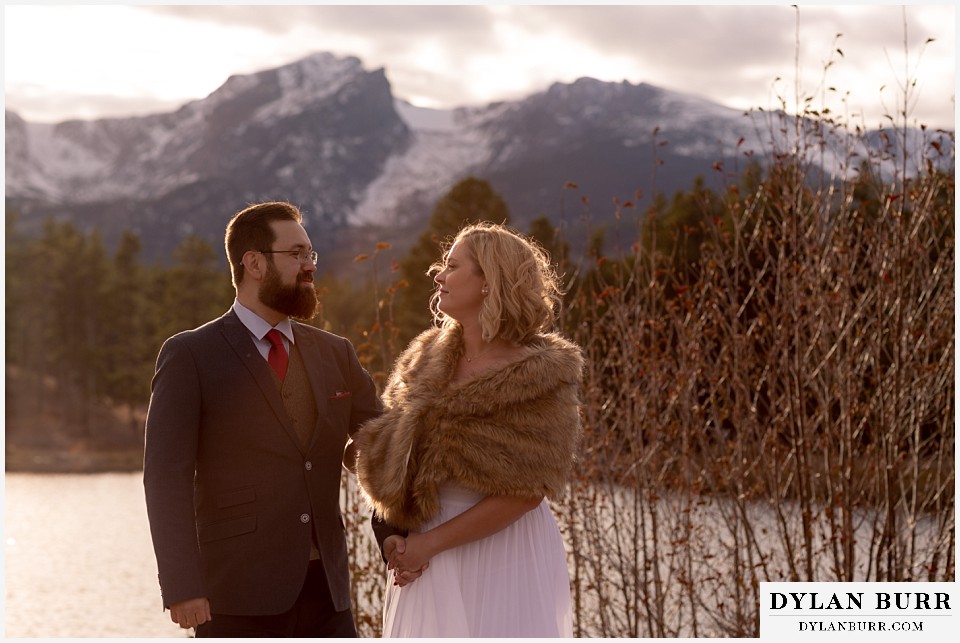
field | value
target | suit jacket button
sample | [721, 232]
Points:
[308, 465]
[304, 518]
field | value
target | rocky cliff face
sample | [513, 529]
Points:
[315, 133]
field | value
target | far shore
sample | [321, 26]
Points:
[27, 460]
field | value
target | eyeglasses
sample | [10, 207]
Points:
[303, 256]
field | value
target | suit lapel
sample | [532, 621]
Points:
[239, 338]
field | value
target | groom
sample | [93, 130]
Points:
[248, 419]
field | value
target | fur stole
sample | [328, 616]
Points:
[509, 431]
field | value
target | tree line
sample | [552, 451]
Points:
[84, 325]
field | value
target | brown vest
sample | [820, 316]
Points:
[298, 397]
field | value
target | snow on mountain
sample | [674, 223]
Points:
[425, 118]
[313, 79]
[444, 148]
[448, 145]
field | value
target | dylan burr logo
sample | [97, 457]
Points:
[854, 600]
[918, 611]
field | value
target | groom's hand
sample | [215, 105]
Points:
[390, 547]
[190, 613]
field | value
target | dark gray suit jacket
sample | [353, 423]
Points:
[231, 495]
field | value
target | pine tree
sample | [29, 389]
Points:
[469, 201]
[194, 290]
[543, 232]
[128, 336]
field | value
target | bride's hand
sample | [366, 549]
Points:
[404, 578]
[393, 546]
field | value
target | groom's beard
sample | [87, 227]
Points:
[298, 300]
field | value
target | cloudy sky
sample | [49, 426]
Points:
[71, 61]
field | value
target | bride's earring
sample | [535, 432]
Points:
[485, 291]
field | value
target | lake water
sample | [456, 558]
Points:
[79, 561]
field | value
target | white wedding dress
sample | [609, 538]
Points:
[513, 583]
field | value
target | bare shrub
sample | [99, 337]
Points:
[780, 411]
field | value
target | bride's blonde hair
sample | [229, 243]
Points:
[525, 295]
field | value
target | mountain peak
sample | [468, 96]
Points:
[288, 88]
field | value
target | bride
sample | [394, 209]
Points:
[481, 426]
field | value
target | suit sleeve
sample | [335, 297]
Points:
[169, 465]
[383, 530]
[366, 403]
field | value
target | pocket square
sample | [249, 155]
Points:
[340, 394]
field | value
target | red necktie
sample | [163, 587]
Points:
[278, 354]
